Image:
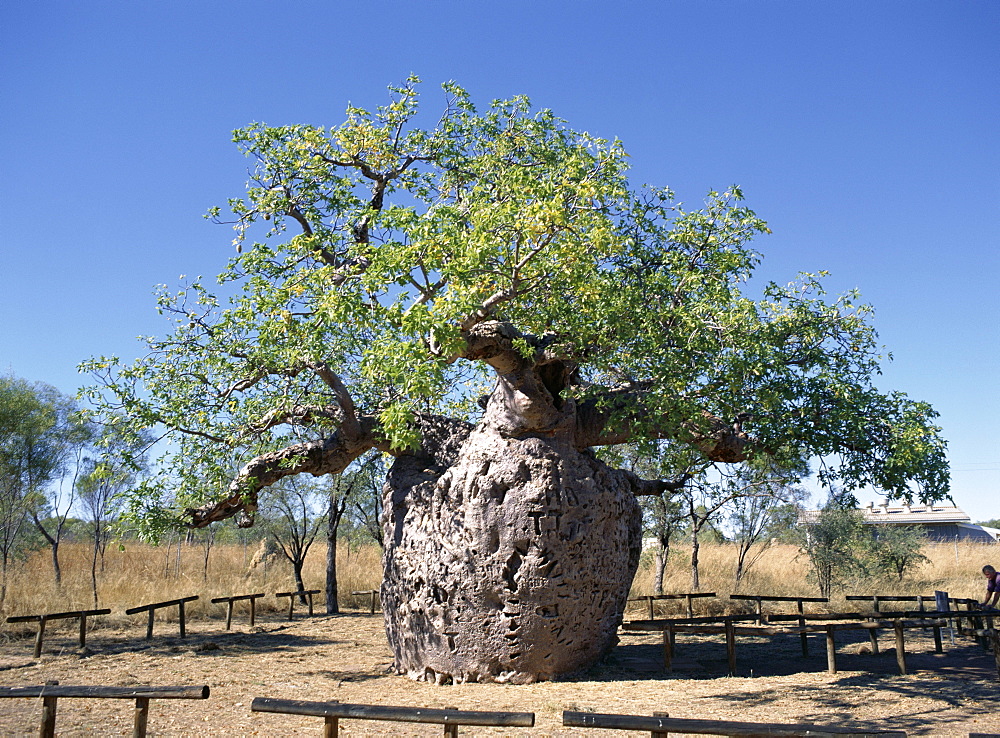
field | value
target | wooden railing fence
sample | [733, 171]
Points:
[761, 618]
[303, 593]
[373, 593]
[152, 608]
[689, 596]
[50, 693]
[727, 625]
[451, 719]
[660, 726]
[237, 598]
[43, 619]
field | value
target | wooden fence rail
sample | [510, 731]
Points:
[660, 726]
[43, 619]
[304, 593]
[761, 618]
[237, 598]
[50, 693]
[451, 719]
[689, 596]
[152, 608]
[670, 629]
[373, 593]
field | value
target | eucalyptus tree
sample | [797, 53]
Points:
[40, 431]
[486, 297]
[296, 511]
[116, 467]
[770, 500]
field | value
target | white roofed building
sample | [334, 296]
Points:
[941, 522]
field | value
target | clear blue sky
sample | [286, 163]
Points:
[865, 133]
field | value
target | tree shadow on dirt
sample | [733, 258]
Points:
[934, 698]
[265, 638]
[340, 676]
[705, 658]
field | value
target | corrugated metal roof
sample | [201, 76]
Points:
[904, 514]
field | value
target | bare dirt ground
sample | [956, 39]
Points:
[346, 658]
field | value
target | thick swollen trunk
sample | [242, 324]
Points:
[506, 558]
[509, 548]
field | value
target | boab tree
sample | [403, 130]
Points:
[487, 299]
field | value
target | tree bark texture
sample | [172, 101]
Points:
[507, 558]
[509, 548]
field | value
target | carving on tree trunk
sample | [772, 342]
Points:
[510, 561]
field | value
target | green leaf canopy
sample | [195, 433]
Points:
[386, 269]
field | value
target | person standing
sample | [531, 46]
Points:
[992, 587]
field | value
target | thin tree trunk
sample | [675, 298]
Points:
[297, 568]
[53, 542]
[335, 512]
[740, 562]
[332, 605]
[55, 564]
[93, 565]
[695, 582]
[659, 564]
[3, 581]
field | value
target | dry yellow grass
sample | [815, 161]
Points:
[783, 571]
[141, 574]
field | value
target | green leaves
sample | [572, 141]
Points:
[374, 247]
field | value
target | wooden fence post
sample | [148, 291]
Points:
[451, 730]
[331, 723]
[897, 625]
[331, 727]
[802, 624]
[996, 648]
[39, 635]
[47, 729]
[831, 651]
[660, 733]
[873, 639]
[731, 646]
[141, 717]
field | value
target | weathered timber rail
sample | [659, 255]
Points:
[729, 628]
[152, 608]
[50, 693]
[306, 594]
[373, 593]
[659, 727]
[689, 596]
[43, 619]
[237, 598]
[762, 618]
[451, 719]
[877, 600]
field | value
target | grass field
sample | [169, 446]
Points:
[141, 574]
